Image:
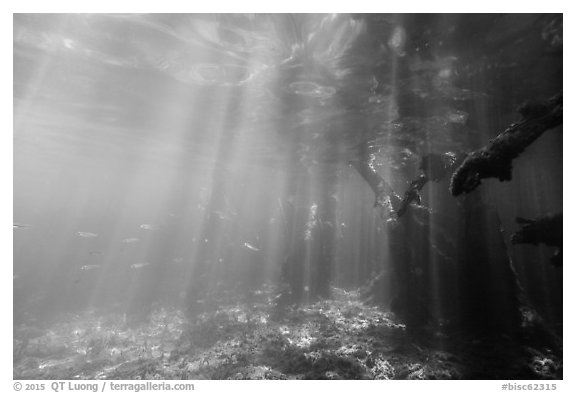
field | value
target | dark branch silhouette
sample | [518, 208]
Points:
[546, 230]
[495, 159]
[386, 199]
[434, 167]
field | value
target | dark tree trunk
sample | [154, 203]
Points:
[202, 282]
[293, 268]
[324, 237]
[410, 262]
[489, 294]
[480, 279]
[311, 228]
[409, 251]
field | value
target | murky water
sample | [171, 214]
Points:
[170, 160]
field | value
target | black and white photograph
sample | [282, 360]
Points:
[287, 196]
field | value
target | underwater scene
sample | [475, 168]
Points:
[287, 196]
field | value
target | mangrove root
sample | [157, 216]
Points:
[386, 199]
[546, 230]
[433, 167]
[495, 159]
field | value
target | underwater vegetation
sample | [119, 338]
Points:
[340, 338]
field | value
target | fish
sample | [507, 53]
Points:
[139, 265]
[90, 267]
[178, 260]
[16, 226]
[219, 214]
[87, 234]
[146, 227]
[131, 240]
[251, 247]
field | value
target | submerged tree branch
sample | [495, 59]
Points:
[495, 159]
[546, 230]
[386, 198]
[412, 194]
[434, 167]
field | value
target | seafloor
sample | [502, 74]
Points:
[341, 338]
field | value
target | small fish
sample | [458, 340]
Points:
[219, 214]
[90, 267]
[131, 240]
[87, 234]
[95, 253]
[16, 226]
[146, 227]
[139, 265]
[251, 247]
[178, 260]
